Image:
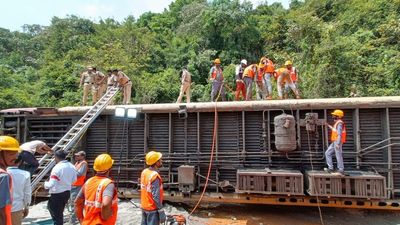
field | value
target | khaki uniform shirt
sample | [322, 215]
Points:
[88, 77]
[122, 78]
[186, 77]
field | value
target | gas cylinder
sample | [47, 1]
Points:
[285, 133]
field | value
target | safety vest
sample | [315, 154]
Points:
[293, 74]
[81, 179]
[270, 68]
[217, 74]
[334, 134]
[146, 197]
[8, 206]
[93, 192]
[250, 71]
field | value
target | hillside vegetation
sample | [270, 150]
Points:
[334, 44]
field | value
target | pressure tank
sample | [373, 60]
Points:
[285, 133]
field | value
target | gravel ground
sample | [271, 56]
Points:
[128, 214]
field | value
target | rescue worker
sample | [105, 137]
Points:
[9, 148]
[260, 87]
[283, 77]
[59, 184]
[249, 74]
[268, 73]
[98, 197]
[100, 83]
[217, 79]
[151, 191]
[186, 82]
[240, 86]
[81, 167]
[28, 159]
[338, 137]
[22, 192]
[293, 74]
[123, 81]
[87, 82]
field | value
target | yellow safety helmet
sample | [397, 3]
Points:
[8, 143]
[217, 61]
[287, 63]
[339, 113]
[103, 163]
[152, 157]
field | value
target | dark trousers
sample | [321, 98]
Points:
[56, 206]
[150, 217]
[29, 162]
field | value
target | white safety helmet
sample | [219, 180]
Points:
[243, 62]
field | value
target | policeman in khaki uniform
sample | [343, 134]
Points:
[87, 81]
[186, 82]
[123, 81]
[100, 83]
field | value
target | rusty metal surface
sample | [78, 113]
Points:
[284, 182]
[357, 185]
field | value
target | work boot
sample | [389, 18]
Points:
[298, 97]
[269, 98]
[328, 170]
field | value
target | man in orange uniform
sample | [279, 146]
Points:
[217, 79]
[283, 77]
[249, 75]
[9, 148]
[81, 167]
[98, 197]
[293, 75]
[268, 73]
[338, 137]
[151, 191]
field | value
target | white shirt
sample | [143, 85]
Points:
[61, 178]
[21, 188]
[32, 146]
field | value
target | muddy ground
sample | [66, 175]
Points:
[129, 214]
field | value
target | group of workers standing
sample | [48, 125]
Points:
[260, 73]
[95, 200]
[95, 82]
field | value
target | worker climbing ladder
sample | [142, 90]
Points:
[47, 162]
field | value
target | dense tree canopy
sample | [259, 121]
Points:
[333, 43]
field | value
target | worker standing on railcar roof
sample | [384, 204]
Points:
[338, 137]
[151, 191]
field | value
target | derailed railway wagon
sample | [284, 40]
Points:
[263, 152]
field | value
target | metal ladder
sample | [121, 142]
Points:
[47, 162]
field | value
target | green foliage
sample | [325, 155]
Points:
[333, 44]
